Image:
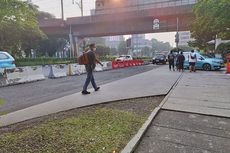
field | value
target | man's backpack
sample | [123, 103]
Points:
[83, 59]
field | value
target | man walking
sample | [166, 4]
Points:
[171, 58]
[89, 69]
[192, 59]
[180, 61]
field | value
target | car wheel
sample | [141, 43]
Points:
[207, 67]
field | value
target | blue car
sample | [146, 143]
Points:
[204, 62]
[6, 61]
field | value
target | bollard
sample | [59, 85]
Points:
[228, 64]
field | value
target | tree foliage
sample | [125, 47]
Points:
[18, 26]
[122, 48]
[211, 19]
[224, 49]
[102, 50]
[160, 46]
[48, 47]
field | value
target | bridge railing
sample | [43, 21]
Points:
[144, 6]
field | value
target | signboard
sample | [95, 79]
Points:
[156, 24]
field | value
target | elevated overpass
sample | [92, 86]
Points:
[158, 17]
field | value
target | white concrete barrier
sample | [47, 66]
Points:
[57, 71]
[17, 75]
[73, 69]
[46, 70]
[98, 68]
[107, 66]
[81, 69]
[3, 78]
[35, 73]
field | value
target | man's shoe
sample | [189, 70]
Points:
[85, 92]
[97, 88]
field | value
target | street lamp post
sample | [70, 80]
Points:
[62, 10]
[177, 34]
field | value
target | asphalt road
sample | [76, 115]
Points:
[24, 95]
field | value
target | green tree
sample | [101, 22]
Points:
[18, 26]
[224, 49]
[113, 51]
[211, 19]
[102, 50]
[185, 48]
[48, 47]
[160, 46]
[122, 48]
[146, 51]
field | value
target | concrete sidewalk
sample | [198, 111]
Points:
[202, 92]
[155, 82]
[195, 118]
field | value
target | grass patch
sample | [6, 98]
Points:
[2, 102]
[102, 130]
[3, 113]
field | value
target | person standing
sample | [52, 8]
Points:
[180, 61]
[89, 69]
[171, 59]
[192, 59]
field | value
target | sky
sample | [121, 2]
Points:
[72, 10]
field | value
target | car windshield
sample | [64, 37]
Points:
[121, 56]
[208, 56]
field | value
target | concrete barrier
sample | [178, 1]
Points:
[98, 68]
[81, 69]
[73, 69]
[35, 73]
[46, 70]
[23, 75]
[57, 71]
[3, 78]
[17, 75]
[107, 66]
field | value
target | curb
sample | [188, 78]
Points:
[132, 144]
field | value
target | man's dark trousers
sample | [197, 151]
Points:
[90, 78]
[171, 64]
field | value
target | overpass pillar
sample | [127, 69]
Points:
[74, 45]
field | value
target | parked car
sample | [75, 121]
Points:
[6, 60]
[204, 62]
[124, 58]
[159, 59]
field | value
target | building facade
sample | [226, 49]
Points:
[107, 6]
[138, 42]
[184, 38]
[113, 41]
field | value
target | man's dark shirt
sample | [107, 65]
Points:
[92, 61]
[180, 58]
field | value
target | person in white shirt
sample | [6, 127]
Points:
[192, 59]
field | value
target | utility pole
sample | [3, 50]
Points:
[81, 8]
[62, 10]
[177, 34]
